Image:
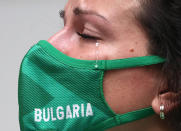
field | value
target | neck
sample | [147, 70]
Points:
[152, 123]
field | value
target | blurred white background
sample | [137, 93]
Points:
[22, 24]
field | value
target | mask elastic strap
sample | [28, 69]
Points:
[123, 119]
[132, 62]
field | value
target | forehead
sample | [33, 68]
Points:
[113, 10]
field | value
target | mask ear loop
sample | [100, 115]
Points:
[97, 54]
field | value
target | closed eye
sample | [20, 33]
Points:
[86, 36]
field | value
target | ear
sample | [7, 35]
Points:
[170, 100]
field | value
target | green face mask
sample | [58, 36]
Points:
[60, 93]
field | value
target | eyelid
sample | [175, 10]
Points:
[86, 36]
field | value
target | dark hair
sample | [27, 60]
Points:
[161, 20]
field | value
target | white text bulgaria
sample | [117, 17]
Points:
[59, 113]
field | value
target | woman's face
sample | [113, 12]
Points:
[113, 25]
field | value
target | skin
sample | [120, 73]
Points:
[120, 36]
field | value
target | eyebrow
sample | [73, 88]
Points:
[78, 11]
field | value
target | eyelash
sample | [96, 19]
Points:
[87, 37]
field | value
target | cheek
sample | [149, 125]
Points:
[134, 88]
[68, 42]
[71, 44]
[83, 51]
[123, 49]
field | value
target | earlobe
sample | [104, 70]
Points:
[169, 100]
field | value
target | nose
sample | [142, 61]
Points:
[58, 39]
[62, 40]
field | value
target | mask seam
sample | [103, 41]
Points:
[61, 57]
[63, 62]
